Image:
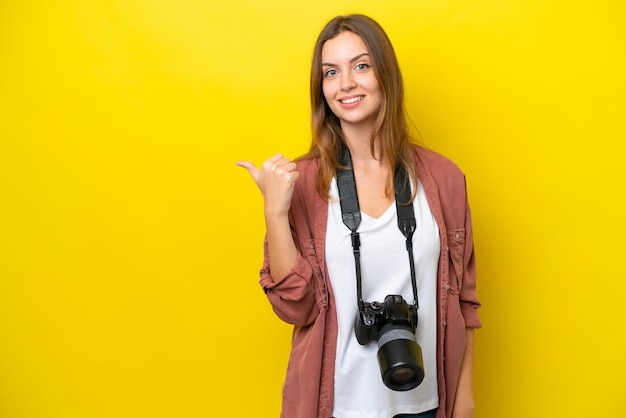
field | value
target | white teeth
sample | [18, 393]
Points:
[352, 100]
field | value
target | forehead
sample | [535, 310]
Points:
[343, 47]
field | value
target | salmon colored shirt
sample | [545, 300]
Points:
[304, 296]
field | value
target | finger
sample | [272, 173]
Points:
[275, 157]
[274, 161]
[289, 166]
[294, 176]
[254, 172]
[283, 165]
[247, 165]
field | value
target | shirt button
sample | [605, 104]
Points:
[457, 236]
[447, 287]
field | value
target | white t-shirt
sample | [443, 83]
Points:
[359, 389]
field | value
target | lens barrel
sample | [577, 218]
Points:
[400, 358]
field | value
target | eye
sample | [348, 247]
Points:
[362, 66]
[330, 73]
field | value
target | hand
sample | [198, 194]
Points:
[464, 400]
[275, 179]
[463, 406]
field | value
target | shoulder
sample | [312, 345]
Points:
[307, 164]
[305, 189]
[444, 182]
[304, 209]
[308, 168]
[437, 164]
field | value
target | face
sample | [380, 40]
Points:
[349, 83]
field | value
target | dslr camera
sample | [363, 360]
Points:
[393, 323]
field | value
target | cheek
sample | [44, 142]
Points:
[372, 85]
[328, 91]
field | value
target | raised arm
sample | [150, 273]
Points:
[276, 179]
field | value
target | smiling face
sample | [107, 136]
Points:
[349, 82]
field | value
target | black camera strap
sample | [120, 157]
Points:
[351, 215]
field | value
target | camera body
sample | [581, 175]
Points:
[376, 315]
[393, 323]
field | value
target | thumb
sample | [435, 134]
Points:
[254, 172]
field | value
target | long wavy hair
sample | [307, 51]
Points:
[391, 123]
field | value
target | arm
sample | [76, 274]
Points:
[286, 275]
[464, 401]
[276, 180]
[281, 249]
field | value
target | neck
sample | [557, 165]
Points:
[362, 159]
[358, 139]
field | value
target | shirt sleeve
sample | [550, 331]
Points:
[468, 297]
[293, 296]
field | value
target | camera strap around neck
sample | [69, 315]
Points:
[351, 215]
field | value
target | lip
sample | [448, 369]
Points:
[351, 101]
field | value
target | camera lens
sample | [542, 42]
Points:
[400, 358]
[403, 375]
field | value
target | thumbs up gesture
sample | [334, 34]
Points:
[275, 179]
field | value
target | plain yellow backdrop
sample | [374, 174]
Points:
[130, 243]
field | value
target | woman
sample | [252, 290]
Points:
[309, 272]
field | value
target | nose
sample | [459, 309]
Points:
[347, 81]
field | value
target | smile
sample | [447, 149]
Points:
[352, 100]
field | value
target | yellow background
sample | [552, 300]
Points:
[130, 243]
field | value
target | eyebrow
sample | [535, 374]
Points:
[358, 57]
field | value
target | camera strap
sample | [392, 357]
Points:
[351, 215]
